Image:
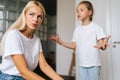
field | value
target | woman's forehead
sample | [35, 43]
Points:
[36, 9]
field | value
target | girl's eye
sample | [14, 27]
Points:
[81, 10]
[77, 11]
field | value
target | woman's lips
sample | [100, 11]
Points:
[34, 25]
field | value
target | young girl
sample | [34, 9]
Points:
[21, 49]
[87, 39]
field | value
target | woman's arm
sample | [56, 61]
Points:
[21, 64]
[58, 39]
[47, 69]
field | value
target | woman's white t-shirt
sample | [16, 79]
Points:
[17, 43]
[86, 37]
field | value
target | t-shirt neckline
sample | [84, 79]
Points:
[25, 36]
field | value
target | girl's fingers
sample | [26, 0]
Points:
[97, 47]
[100, 47]
[106, 44]
[107, 39]
[53, 38]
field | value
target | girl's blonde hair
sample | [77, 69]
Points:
[20, 23]
[89, 7]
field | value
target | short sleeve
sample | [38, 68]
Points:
[100, 33]
[12, 44]
[40, 46]
[74, 35]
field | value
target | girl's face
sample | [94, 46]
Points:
[34, 17]
[83, 13]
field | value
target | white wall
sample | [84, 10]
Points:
[65, 27]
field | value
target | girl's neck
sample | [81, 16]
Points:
[85, 22]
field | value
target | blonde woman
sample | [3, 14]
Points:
[21, 49]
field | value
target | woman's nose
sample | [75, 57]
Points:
[35, 18]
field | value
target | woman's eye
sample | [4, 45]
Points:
[41, 17]
[31, 14]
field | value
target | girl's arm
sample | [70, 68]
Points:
[47, 69]
[71, 45]
[58, 39]
[21, 64]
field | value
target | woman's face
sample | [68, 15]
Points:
[34, 17]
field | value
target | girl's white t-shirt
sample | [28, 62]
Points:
[86, 37]
[17, 43]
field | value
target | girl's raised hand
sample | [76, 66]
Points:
[56, 38]
[107, 40]
[105, 43]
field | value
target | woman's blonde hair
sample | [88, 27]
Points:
[20, 23]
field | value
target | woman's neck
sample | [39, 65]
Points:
[28, 33]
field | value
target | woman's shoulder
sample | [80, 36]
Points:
[14, 31]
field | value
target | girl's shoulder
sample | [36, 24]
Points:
[95, 24]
